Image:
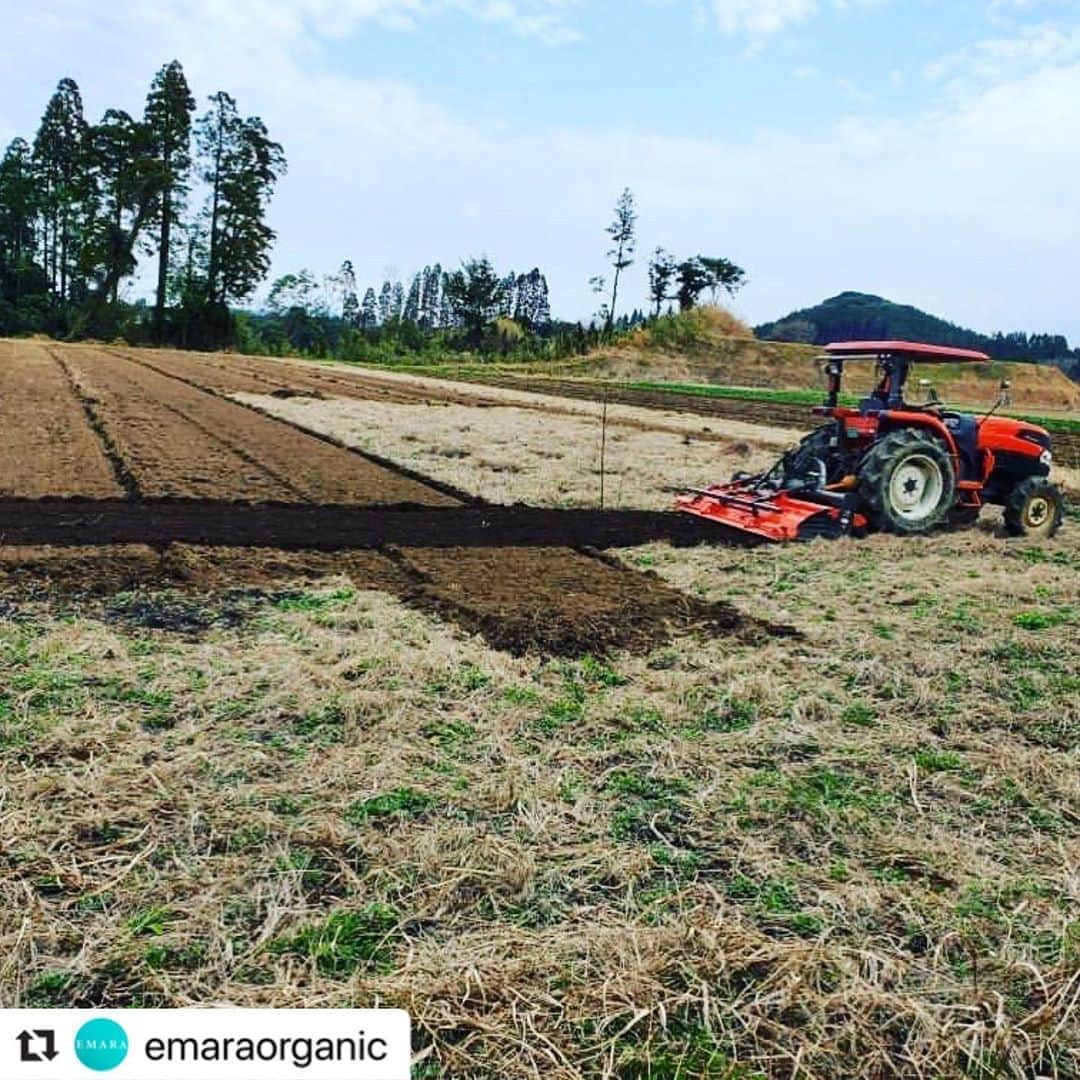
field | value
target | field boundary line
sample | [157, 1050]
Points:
[123, 475]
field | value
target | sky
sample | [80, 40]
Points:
[923, 150]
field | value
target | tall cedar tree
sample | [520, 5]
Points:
[350, 302]
[623, 233]
[369, 311]
[115, 147]
[240, 166]
[170, 106]
[129, 181]
[474, 295]
[60, 159]
[18, 210]
[412, 302]
[432, 301]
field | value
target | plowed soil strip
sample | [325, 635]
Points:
[560, 602]
[552, 601]
[181, 442]
[47, 446]
[343, 528]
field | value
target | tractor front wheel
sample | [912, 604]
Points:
[1035, 508]
[906, 483]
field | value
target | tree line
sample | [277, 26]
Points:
[83, 202]
[472, 308]
[176, 201]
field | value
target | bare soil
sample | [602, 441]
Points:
[176, 441]
[545, 600]
[560, 602]
[47, 447]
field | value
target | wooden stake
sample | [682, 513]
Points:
[603, 448]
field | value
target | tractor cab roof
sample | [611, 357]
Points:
[907, 350]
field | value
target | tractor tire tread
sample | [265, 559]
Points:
[878, 463]
[1018, 499]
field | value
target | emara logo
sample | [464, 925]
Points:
[101, 1045]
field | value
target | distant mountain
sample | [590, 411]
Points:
[854, 316]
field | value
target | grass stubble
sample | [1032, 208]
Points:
[852, 854]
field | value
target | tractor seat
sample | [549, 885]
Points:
[965, 430]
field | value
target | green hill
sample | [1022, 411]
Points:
[854, 316]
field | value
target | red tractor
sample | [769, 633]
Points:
[892, 466]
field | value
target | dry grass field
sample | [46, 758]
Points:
[664, 813]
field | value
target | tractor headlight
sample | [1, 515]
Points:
[1046, 458]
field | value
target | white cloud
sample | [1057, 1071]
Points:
[757, 17]
[1032, 48]
[761, 18]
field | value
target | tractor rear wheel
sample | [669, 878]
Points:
[1035, 508]
[906, 483]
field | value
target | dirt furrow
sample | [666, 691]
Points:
[47, 447]
[166, 455]
[254, 402]
[236, 374]
[182, 442]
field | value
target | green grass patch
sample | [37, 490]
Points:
[648, 804]
[402, 803]
[150, 922]
[859, 714]
[687, 1053]
[1043, 620]
[52, 990]
[732, 715]
[930, 759]
[347, 942]
[314, 601]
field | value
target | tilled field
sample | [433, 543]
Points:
[48, 447]
[114, 451]
[173, 440]
[253, 375]
[1067, 444]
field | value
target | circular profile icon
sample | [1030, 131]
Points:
[101, 1044]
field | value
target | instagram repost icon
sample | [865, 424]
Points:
[101, 1045]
